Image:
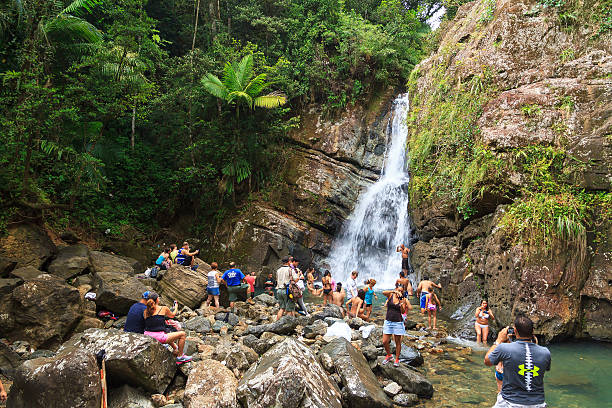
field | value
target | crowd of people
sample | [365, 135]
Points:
[519, 361]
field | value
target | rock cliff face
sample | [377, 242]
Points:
[328, 163]
[508, 223]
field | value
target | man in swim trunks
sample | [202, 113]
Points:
[405, 263]
[424, 288]
[338, 297]
[404, 283]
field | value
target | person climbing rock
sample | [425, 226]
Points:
[212, 288]
[233, 278]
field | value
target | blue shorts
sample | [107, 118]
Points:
[499, 376]
[213, 291]
[394, 328]
[423, 299]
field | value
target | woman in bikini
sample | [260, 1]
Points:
[432, 304]
[483, 314]
[327, 288]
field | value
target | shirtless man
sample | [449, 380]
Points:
[424, 288]
[405, 251]
[404, 283]
[338, 297]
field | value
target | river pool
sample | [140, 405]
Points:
[578, 376]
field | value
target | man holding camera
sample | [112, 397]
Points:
[524, 365]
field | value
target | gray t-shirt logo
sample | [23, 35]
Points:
[524, 367]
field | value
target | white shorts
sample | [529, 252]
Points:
[502, 403]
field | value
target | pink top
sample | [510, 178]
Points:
[251, 281]
[333, 284]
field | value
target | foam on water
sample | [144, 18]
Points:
[380, 221]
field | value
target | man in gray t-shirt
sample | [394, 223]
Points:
[524, 365]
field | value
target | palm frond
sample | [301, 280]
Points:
[240, 96]
[77, 6]
[256, 85]
[270, 101]
[214, 86]
[230, 79]
[67, 27]
[244, 70]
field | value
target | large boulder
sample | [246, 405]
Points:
[9, 360]
[329, 311]
[69, 380]
[285, 326]
[410, 381]
[131, 358]
[263, 344]
[70, 261]
[360, 384]
[288, 375]
[24, 245]
[26, 273]
[42, 310]
[210, 385]
[7, 285]
[184, 285]
[199, 324]
[116, 287]
[128, 397]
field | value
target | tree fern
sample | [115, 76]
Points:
[77, 6]
[270, 101]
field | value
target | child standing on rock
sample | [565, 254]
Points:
[432, 304]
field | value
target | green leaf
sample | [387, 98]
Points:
[270, 101]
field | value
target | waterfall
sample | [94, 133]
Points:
[369, 238]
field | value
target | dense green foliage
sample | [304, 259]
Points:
[106, 122]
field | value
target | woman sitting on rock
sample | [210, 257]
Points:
[394, 323]
[155, 326]
[483, 314]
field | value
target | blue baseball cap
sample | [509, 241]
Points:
[146, 295]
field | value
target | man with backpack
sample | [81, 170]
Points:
[284, 276]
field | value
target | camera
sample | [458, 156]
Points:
[511, 333]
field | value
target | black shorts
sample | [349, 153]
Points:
[327, 291]
[405, 264]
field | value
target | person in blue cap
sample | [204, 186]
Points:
[135, 320]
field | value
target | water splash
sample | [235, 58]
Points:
[380, 221]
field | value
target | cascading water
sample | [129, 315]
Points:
[380, 221]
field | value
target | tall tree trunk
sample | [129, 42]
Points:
[195, 32]
[133, 125]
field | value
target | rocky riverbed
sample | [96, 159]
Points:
[240, 359]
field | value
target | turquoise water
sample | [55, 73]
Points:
[580, 375]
